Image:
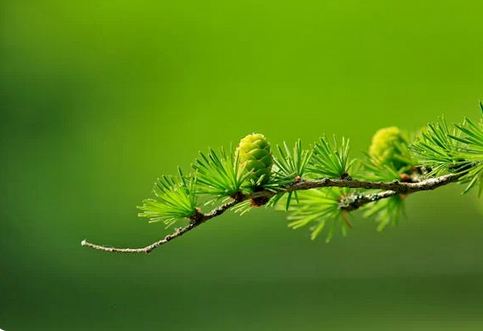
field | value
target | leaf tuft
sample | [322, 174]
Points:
[330, 159]
[175, 199]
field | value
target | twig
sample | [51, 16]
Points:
[197, 219]
[351, 203]
[356, 201]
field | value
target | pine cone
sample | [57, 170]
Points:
[386, 147]
[255, 157]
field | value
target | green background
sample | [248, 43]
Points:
[98, 98]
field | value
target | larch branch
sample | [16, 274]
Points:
[351, 203]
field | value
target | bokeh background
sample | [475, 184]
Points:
[98, 98]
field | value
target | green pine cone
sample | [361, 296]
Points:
[255, 157]
[386, 147]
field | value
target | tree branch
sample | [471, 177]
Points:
[397, 186]
[351, 203]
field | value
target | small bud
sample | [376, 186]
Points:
[405, 178]
[255, 156]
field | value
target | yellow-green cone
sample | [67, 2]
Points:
[255, 156]
[386, 146]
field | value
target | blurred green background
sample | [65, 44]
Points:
[98, 98]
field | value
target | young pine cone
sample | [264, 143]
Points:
[387, 147]
[255, 156]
